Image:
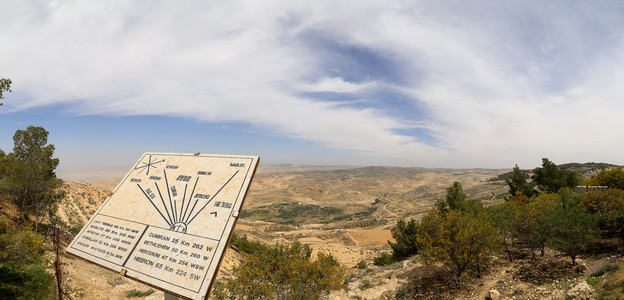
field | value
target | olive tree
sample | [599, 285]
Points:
[570, 230]
[456, 237]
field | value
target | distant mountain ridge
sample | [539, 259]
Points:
[587, 169]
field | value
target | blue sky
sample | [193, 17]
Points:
[403, 83]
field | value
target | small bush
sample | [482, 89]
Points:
[23, 272]
[20, 243]
[136, 293]
[75, 229]
[605, 268]
[428, 282]
[366, 284]
[384, 259]
[116, 280]
[282, 272]
[73, 292]
[26, 280]
[362, 265]
[245, 245]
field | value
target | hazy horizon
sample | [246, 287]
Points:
[451, 84]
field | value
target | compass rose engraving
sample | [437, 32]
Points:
[149, 164]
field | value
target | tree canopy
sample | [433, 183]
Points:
[30, 145]
[613, 178]
[570, 230]
[456, 237]
[404, 233]
[503, 218]
[609, 207]
[282, 272]
[517, 182]
[27, 175]
[550, 178]
[455, 196]
[5, 86]
[456, 199]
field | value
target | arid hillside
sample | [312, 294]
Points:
[340, 198]
[348, 213]
[343, 212]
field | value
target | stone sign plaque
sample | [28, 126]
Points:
[169, 220]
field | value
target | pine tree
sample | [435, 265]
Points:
[27, 175]
[517, 182]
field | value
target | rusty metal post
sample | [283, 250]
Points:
[57, 264]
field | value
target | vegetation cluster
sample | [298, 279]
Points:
[544, 212]
[291, 213]
[283, 271]
[27, 183]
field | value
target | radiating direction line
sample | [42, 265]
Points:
[184, 215]
[173, 210]
[190, 198]
[150, 200]
[182, 207]
[163, 202]
[190, 213]
[213, 196]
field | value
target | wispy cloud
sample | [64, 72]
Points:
[427, 83]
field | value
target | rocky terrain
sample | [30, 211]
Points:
[348, 213]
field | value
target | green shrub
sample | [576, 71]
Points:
[604, 268]
[362, 265]
[384, 259]
[26, 279]
[116, 280]
[245, 245]
[20, 243]
[405, 234]
[136, 293]
[282, 272]
[570, 230]
[291, 213]
[366, 284]
[75, 229]
[458, 238]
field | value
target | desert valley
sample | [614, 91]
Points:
[347, 213]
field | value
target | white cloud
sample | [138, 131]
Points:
[498, 83]
[336, 85]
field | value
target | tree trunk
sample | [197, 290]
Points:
[36, 218]
[508, 252]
